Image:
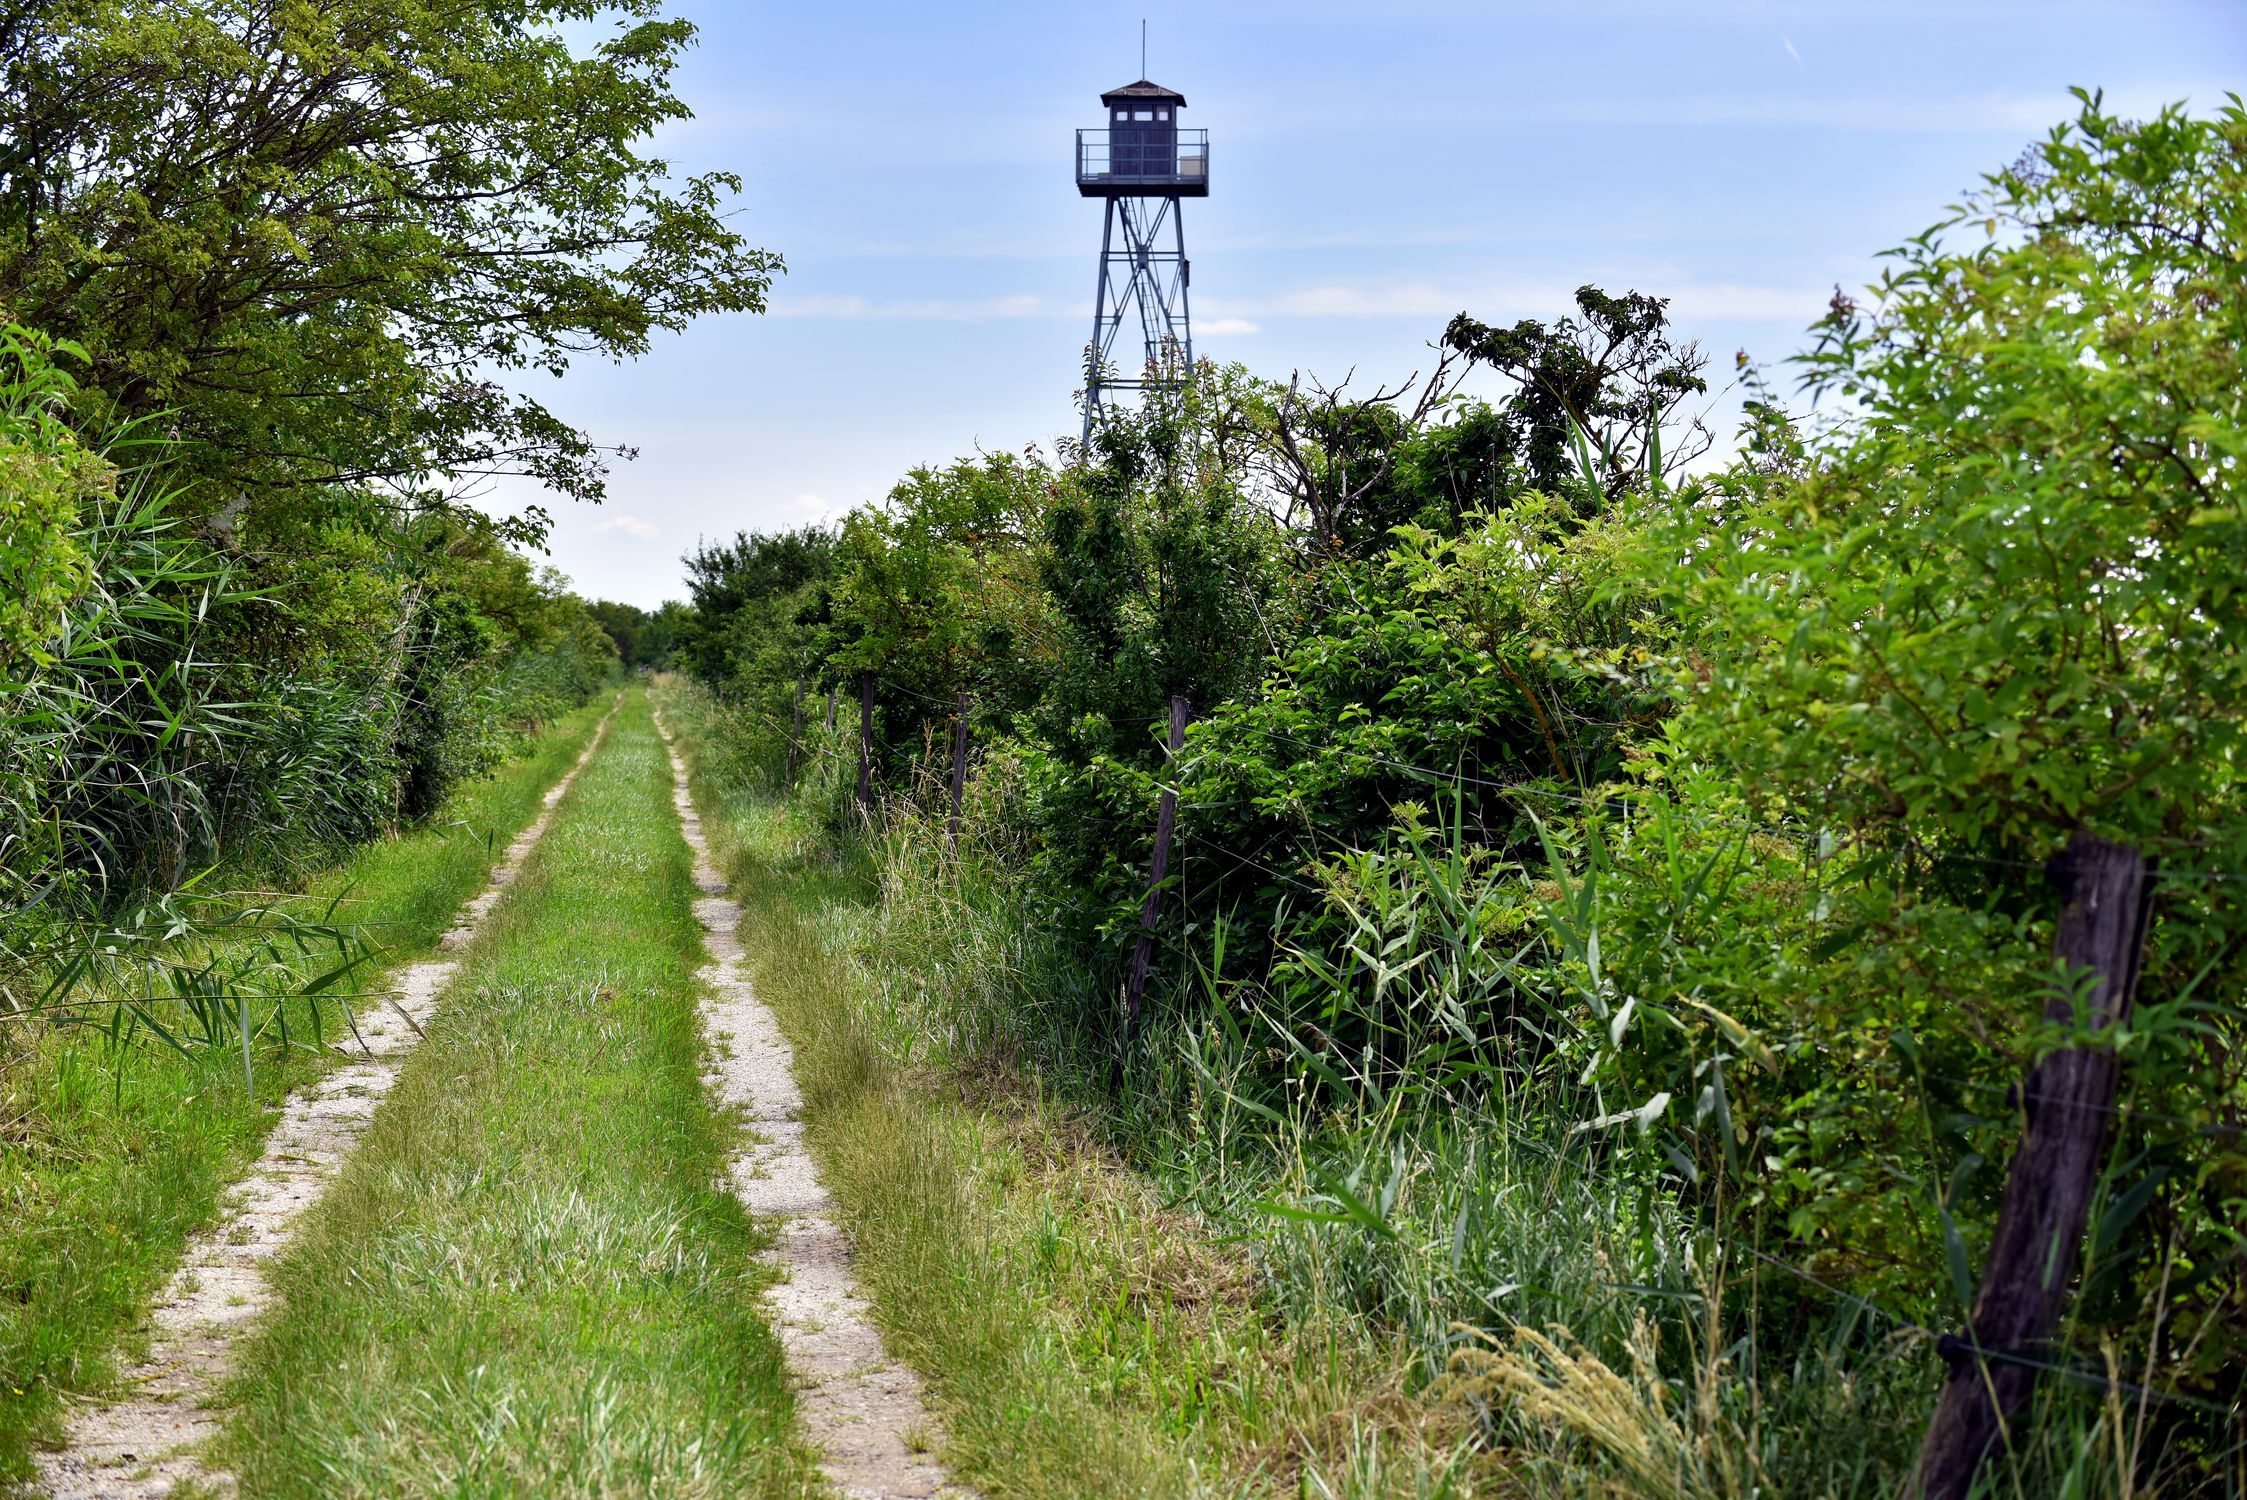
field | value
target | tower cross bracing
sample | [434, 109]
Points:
[1144, 278]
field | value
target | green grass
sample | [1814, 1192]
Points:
[1080, 1340]
[110, 1157]
[529, 1279]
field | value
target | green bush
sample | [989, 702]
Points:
[162, 715]
[1607, 924]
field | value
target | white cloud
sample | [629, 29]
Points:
[1410, 299]
[1802, 305]
[1226, 325]
[1429, 301]
[937, 309]
[630, 526]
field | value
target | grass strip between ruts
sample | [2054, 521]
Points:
[110, 1158]
[529, 1280]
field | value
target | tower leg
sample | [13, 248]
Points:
[1185, 320]
[1095, 351]
[1142, 274]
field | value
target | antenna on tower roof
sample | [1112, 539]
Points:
[1142, 46]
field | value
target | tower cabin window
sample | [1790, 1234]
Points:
[1143, 144]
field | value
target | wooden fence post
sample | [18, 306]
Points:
[1166, 820]
[866, 743]
[959, 772]
[796, 733]
[2067, 1098]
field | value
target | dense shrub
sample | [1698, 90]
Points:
[1556, 829]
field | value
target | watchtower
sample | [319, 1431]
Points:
[1143, 163]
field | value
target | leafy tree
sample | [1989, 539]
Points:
[940, 590]
[1166, 576]
[1161, 567]
[1477, 654]
[1336, 458]
[47, 478]
[2006, 602]
[2001, 607]
[1351, 469]
[1613, 373]
[320, 237]
[643, 638]
[758, 593]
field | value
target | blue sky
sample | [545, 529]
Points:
[1374, 170]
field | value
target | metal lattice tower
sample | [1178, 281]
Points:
[1142, 164]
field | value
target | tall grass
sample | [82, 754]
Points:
[1392, 1120]
[134, 785]
[147, 789]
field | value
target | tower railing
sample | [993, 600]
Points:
[1177, 161]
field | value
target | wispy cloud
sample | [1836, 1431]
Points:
[630, 526]
[1883, 113]
[1428, 301]
[937, 309]
[1789, 304]
[1878, 112]
[1226, 326]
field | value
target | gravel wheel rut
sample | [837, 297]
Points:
[860, 1407]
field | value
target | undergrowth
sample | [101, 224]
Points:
[1525, 1306]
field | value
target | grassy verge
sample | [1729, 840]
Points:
[110, 1157]
[528, 1280]
[1081, 1338]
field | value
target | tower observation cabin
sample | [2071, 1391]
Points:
[1143, 163]
[1143, 151]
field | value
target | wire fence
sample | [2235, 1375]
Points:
[1618, 799]
[1796, 833]
[1951, 1347]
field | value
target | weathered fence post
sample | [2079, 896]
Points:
[1166, 820]
[2066, 1100]
[959, 772]
[866, 743]
[796, 731]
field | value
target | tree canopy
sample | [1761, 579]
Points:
[322, 238]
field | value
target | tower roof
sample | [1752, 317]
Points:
[1142, 90]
